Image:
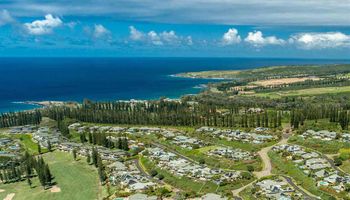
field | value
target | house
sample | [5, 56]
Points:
[141, 197]
[117, 166]
[211, 196]
[138, 186]
[68, 146]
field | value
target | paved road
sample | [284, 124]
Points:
[307, 195]
[143, 172]
[330, 160]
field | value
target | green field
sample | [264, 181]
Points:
[28, 144]
[305, 92]
[76, 179]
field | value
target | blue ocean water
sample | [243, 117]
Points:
[38, 79]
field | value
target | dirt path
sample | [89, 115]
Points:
[267, 166]
[236, 192]
[9, 196]
[55, 189]
[266, 171]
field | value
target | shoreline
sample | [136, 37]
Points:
[187, 76]
[41, 103]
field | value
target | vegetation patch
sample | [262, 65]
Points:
[76, 179]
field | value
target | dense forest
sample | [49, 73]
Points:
[19, 118]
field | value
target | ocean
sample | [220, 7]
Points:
[73, 79]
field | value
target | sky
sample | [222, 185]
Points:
[175, 28]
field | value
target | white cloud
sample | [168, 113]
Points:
[231, 37]
[162, 38]
[71, 24]
[154, 38]
[135, 34]
[321, 40]
[169, 37]
[5, 18]
[189, 40]
[42, 27]
[257, 39]
[100, 31]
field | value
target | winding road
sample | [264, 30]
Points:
[267, 167]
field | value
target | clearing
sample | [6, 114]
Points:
[75, 179]
[281, 81]
[305, 92]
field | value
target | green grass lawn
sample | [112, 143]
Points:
[76, 179]
[346, 166]
[28, 144]
[305, 92]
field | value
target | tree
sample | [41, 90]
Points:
[101, 172]
[347, 187]
[48, 176]
[94, 156]
[88, 158]
[90, 138]
[49, 146]
[29, 182]
[250, 168]
[39, 148]
[338, 161]
[160, 176]
[74, 152]
[246, 175]
[153, 172]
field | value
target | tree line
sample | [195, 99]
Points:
[166, 113]
[27, 167]
[20, 118]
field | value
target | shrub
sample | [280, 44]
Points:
[160, 176]
[338, 161]
[250, 168]
[153, 172]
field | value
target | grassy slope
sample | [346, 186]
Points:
[305, 92]
[76, 179]
[274, 71]
[28, 144]
[346, 166]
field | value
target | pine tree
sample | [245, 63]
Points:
[49, 146]
[74, 152]
[125, 144]
[39, 148]
[29, 182]
[101, 172]
[90, 138]
[88, 158]
[48, 176]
